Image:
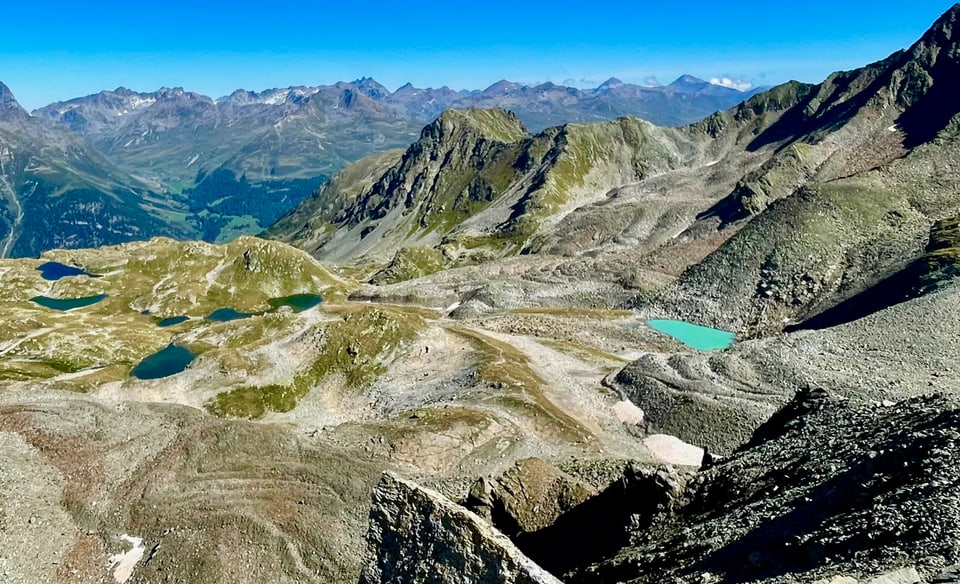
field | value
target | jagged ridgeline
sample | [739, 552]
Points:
[124, 165]
[771, 212]
[476, 185]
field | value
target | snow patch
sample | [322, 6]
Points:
[275, 98]
[628, 412]
[123, 564]
[673, 450]
[137, 102]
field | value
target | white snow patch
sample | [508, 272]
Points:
[137, 102]
[124, 564]
[276, 98]
[673, 450]
[893, 128]
[628, 412]
[194, 159]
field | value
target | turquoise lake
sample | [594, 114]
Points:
[172, 321]
[164, 363]
[702, 338]
[55, 270]
[298, 302]
[67, 303]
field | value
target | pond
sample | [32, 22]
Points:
[169, 361]
[227, 314]
[173, 320]
[55, 270]
[298, 302]
[702, 338]
[67, 303]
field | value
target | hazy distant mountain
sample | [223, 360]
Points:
[171, 135]
[235, 164]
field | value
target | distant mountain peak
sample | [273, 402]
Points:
[9, 107]
[610, 83]
[405, 87]
[370, 87]
[686, 79]
[502, 86]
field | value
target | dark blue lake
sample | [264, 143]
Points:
[227, 314]
[173, 320]
[67, 303]
[169, 361]
[55, 270]
[298, 302]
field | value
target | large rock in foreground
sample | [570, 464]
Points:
[418, 535]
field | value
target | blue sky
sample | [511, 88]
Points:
[55, 50]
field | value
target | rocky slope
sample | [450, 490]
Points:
[823, 492]
[418, 535]
[477, 185]
[865, 167]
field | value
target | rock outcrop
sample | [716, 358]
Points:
[418, 535]
[825, 490]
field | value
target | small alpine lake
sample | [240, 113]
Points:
[53, 271]
[298, 302]
[701, 338]
[173, 320]
[227, 314]
[67, 303]
[168, 361]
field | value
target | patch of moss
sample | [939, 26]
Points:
[410, 263]
[254, 402]
[358, 347]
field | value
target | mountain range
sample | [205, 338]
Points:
[216, 168]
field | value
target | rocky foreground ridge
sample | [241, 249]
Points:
[824, 492]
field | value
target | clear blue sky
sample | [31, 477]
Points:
[52, 50]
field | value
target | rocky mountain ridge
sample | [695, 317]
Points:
[852, 165]
[224, 167]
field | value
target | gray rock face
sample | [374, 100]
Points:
[418, 535]
[825, 489]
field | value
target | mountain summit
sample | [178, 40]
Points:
[9, 107]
